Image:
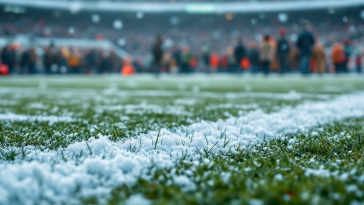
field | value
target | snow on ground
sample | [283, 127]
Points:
[96, 167]
[144, 108]
[50, 119]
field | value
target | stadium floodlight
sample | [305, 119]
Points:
[200, 8]
[118, 24]
[121, 42]
[75, 7]
[71, 30]
[95, 18]
[283, 17]
[218, 7]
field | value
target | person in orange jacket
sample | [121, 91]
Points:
[224, 62]
[214, 62]
[128, 69]
[74, 61]
[338, 57]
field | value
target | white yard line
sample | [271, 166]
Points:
[68, 93]
[46, 177]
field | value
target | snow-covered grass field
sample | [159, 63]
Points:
[209, 139]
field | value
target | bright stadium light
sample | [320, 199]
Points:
[71, 30]
[118, 24]
[75, 7]
[282, 17]
[200, 8]
[121, 42]
[95, 18]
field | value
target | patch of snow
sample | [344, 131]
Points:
[138, 199]
[51, 119]
[60, 177]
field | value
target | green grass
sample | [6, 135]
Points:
[273, 172]
[212, 83]
[270, 172]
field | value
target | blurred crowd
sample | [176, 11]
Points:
[187, 43]
[16, 59]
[307, 55]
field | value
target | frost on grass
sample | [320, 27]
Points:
[40, 118]
[95, 167]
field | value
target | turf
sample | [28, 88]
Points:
[321, 166]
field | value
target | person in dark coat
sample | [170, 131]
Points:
[157, 52]
[254, 58]
[49, 59]
[8, 58]
[305, 43]
[91, 61]
[348, 53]
[28, 61]
[239, 54]
[106, 64]
[283, 50]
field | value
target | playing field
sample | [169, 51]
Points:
[203, 139]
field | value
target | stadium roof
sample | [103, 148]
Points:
[243, 7]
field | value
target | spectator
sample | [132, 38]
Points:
[8, 58]
[231, 60]
[359, 61]
[62, 59]
[74, 61]
[91, 60]
[319, 56]
[305, 43]
[266, 54]
[157, 52]
[205, 49]
[283, 49]
[116, 62]
[177, 59]
[185, 60]
[224, 64]
[239, 54]
[106, 64]
[348, 53]
[49, 59]
[214, 62]
[254, 58]
[28, 61]
[338, 57]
